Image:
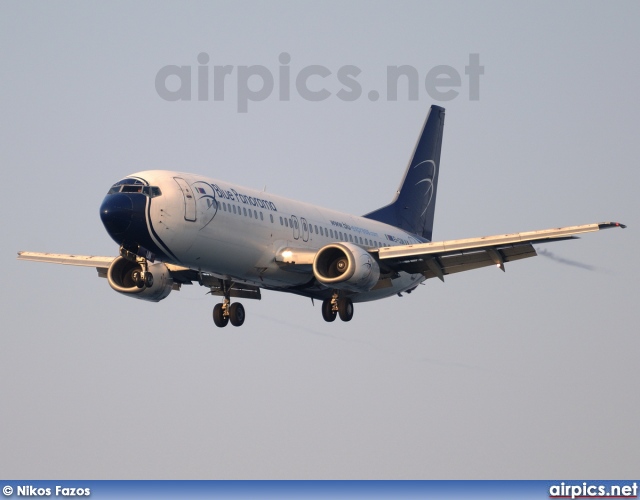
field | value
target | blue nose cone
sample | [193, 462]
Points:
[116, 213]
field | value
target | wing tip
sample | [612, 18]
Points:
[607, 225]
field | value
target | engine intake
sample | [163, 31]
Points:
[346, 266]
[120, 277]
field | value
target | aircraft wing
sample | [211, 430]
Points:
[180, 274]
[71, 260]
[439, 258]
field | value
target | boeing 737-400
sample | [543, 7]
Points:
[175, 228]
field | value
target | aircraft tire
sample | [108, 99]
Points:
[137, 279]
[327, 313]
[236, 314]
[218, 318]
[148, 279]
[345, 309]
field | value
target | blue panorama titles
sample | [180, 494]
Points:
[233, 195]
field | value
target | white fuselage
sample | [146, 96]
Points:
[235, 233]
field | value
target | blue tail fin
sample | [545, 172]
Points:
[414, 206]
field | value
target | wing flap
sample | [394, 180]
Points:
[439, 266]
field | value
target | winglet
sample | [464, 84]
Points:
[607, 225]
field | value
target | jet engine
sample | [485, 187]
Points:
[122, 276]
[346, 266]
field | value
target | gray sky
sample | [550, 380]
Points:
[528, 374]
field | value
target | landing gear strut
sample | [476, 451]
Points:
[142, 278]
[225, 312]
[337, 306]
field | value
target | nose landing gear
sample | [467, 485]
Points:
[142, 278]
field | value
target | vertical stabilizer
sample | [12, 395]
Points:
[414, 206]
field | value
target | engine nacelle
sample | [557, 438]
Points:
[120, 277]
[346, 266]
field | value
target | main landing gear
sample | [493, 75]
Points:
[337, 306]
[228, 312]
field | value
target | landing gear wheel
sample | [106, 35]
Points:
[236, 314]
[148, 279]
[328, 313]
[218, 316]
[136, 277]
[345, 309]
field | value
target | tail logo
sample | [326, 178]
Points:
[430, 167]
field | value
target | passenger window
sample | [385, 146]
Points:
[286, 222]
[250, 216]
[244, 210]
[281, 223]
[350, 239]
[271, 217]
[261, 217]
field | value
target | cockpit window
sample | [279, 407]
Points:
[150, 191]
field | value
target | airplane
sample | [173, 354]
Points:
[176, 229]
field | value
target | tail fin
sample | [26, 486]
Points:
[414, 206]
